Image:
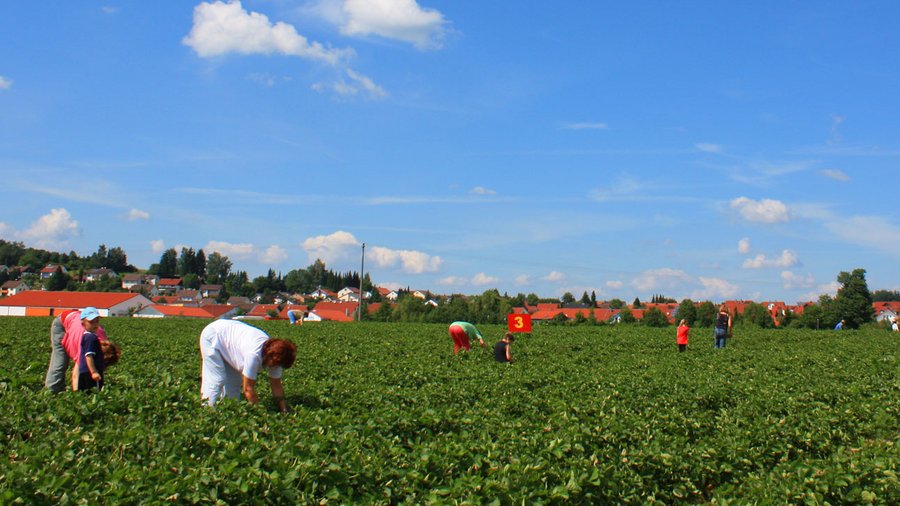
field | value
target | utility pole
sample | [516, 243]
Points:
[362, 292]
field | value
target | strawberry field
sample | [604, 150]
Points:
[384, 413]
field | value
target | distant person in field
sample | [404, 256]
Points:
[839, 326]
[722, 330]
[501, 349]
[233, 353]
[895, 326]
[461, 332]
[681, 338]
[294, 318]
[66, 334]
[96, 356]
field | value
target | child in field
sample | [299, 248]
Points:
[501, 349]
[682, 337]
[96, 356]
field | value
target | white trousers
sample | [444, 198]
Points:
[217, 377]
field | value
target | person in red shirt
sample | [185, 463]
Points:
[682, 337]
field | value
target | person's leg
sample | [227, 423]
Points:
[59, 360]
[212, 373]
[291, 317]
[465, 342]
[456, 334]
[234, 383]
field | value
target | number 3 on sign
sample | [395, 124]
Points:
[518, 322]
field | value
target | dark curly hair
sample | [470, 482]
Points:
[111, 352]
[280, 352]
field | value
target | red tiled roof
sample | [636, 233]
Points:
[187, 312]
[334, 315]
[38, 298]
[348, 307]
[169, 282]
[262, 309]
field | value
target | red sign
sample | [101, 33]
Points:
[518, 322]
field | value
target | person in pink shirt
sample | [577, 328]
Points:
[66, 333]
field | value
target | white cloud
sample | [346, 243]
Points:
[522, 279]
[872, 231]
[659, 279]
[358, 83]
[273, 255]
[585, 126]
[157, 246]
[482, 279]
[744, 245]
[791, 281]
[243, 251]
[52, 230]
[331, 248]
[5, 83]
[763, 211]
[787, 259]
[714, 288]
[614, 284]
[343, 245]
[554, 276]
[401, 20]
[826, 289]
[480, 190]
[625, 187]
[411, 261]
[4, 228]
[837, 175]
[452, 281]
[707, 147]
[137, 214]
[222, 28]
[108, 9]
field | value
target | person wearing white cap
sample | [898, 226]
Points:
[66, 332]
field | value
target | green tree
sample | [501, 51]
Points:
[217, 268]
[687, 311]
[885, 296]
[637, 303]
[706, 314]
[626, 315]
[383, 313]
[653, 317]
[187, 262]
[567, 298]
[57, 281]
[580, 319]
[616, 303]
[168, 264]
[191, 280]
[853, 302]
[757, 315]
[586, 299]
[559, 318]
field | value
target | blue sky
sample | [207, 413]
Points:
[712, 150]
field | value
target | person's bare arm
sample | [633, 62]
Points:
[249, 387]
[278, 393]
[95, 374]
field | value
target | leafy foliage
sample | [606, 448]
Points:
[385, 414]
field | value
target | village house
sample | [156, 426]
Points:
[42, 303]
[91, 275]
[211, 291]
[50, 270]
[387, 294]
[322, 294]
[169, 286]
[13, 287]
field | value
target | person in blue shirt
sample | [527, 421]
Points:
[839, 326]
[96, 356]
